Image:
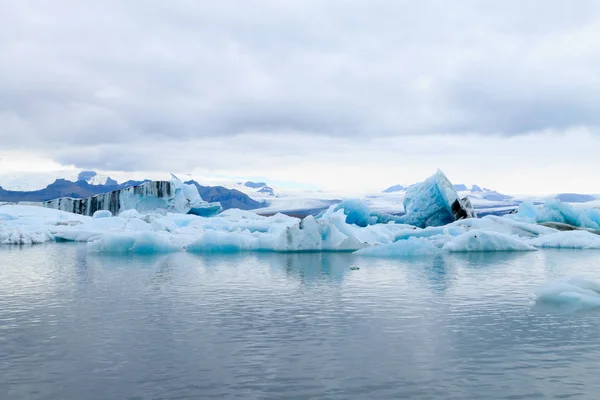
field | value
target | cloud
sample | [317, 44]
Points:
[113, 83]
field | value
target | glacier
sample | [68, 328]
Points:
[173, 196]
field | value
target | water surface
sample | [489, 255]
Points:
[291, 326]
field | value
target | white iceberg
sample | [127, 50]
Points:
[567, 240]
[409, 247]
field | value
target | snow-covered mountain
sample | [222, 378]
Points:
[256, 190]
[93, 178]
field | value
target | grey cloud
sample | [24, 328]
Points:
[80, 74]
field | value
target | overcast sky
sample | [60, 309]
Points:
[333, 94]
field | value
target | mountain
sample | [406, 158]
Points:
[574, 198]
[229, 198]
[93, 178]
[59, 188]
[395, 188]
[255, 185]
[257, 190]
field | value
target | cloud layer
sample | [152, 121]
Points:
[108, 84]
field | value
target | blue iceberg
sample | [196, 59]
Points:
[434, 202]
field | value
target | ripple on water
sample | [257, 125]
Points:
[277, 326]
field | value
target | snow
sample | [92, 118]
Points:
[574, 293]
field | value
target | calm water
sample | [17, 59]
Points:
[291, 326]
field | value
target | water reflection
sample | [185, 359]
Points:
[310, 267]
[264, 325]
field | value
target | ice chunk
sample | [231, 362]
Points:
[360, 214]
[479, 240]
[567, 240]
[206, 209]
[574, 293]
[527, 211]
[357, 213]
[434, 202]
[23, 235]
[410, 247]
[102, 214]
[223, 242]
[555, 212]
[133, 213]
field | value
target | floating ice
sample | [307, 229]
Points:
[358, 213]
[561, 213]
[573, 293]
[410, 247]
[434, 202]
[568, 240]
[486, 241]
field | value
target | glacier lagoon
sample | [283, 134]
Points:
[78, 325]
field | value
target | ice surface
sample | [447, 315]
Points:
[102, 214]
[574, 292]
[411, 247]
[563, 213]
[486, 241]
[360, 214]
[434, 202]
[568, 240]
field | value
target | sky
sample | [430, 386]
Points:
[342, 95]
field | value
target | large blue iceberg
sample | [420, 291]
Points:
[434, 202]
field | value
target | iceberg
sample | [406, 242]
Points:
[486, 241]
[172, 196]
[578, 239]
[560, 215]
[360, 214]
[435, 202]
[411, 247]
[169, 216]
